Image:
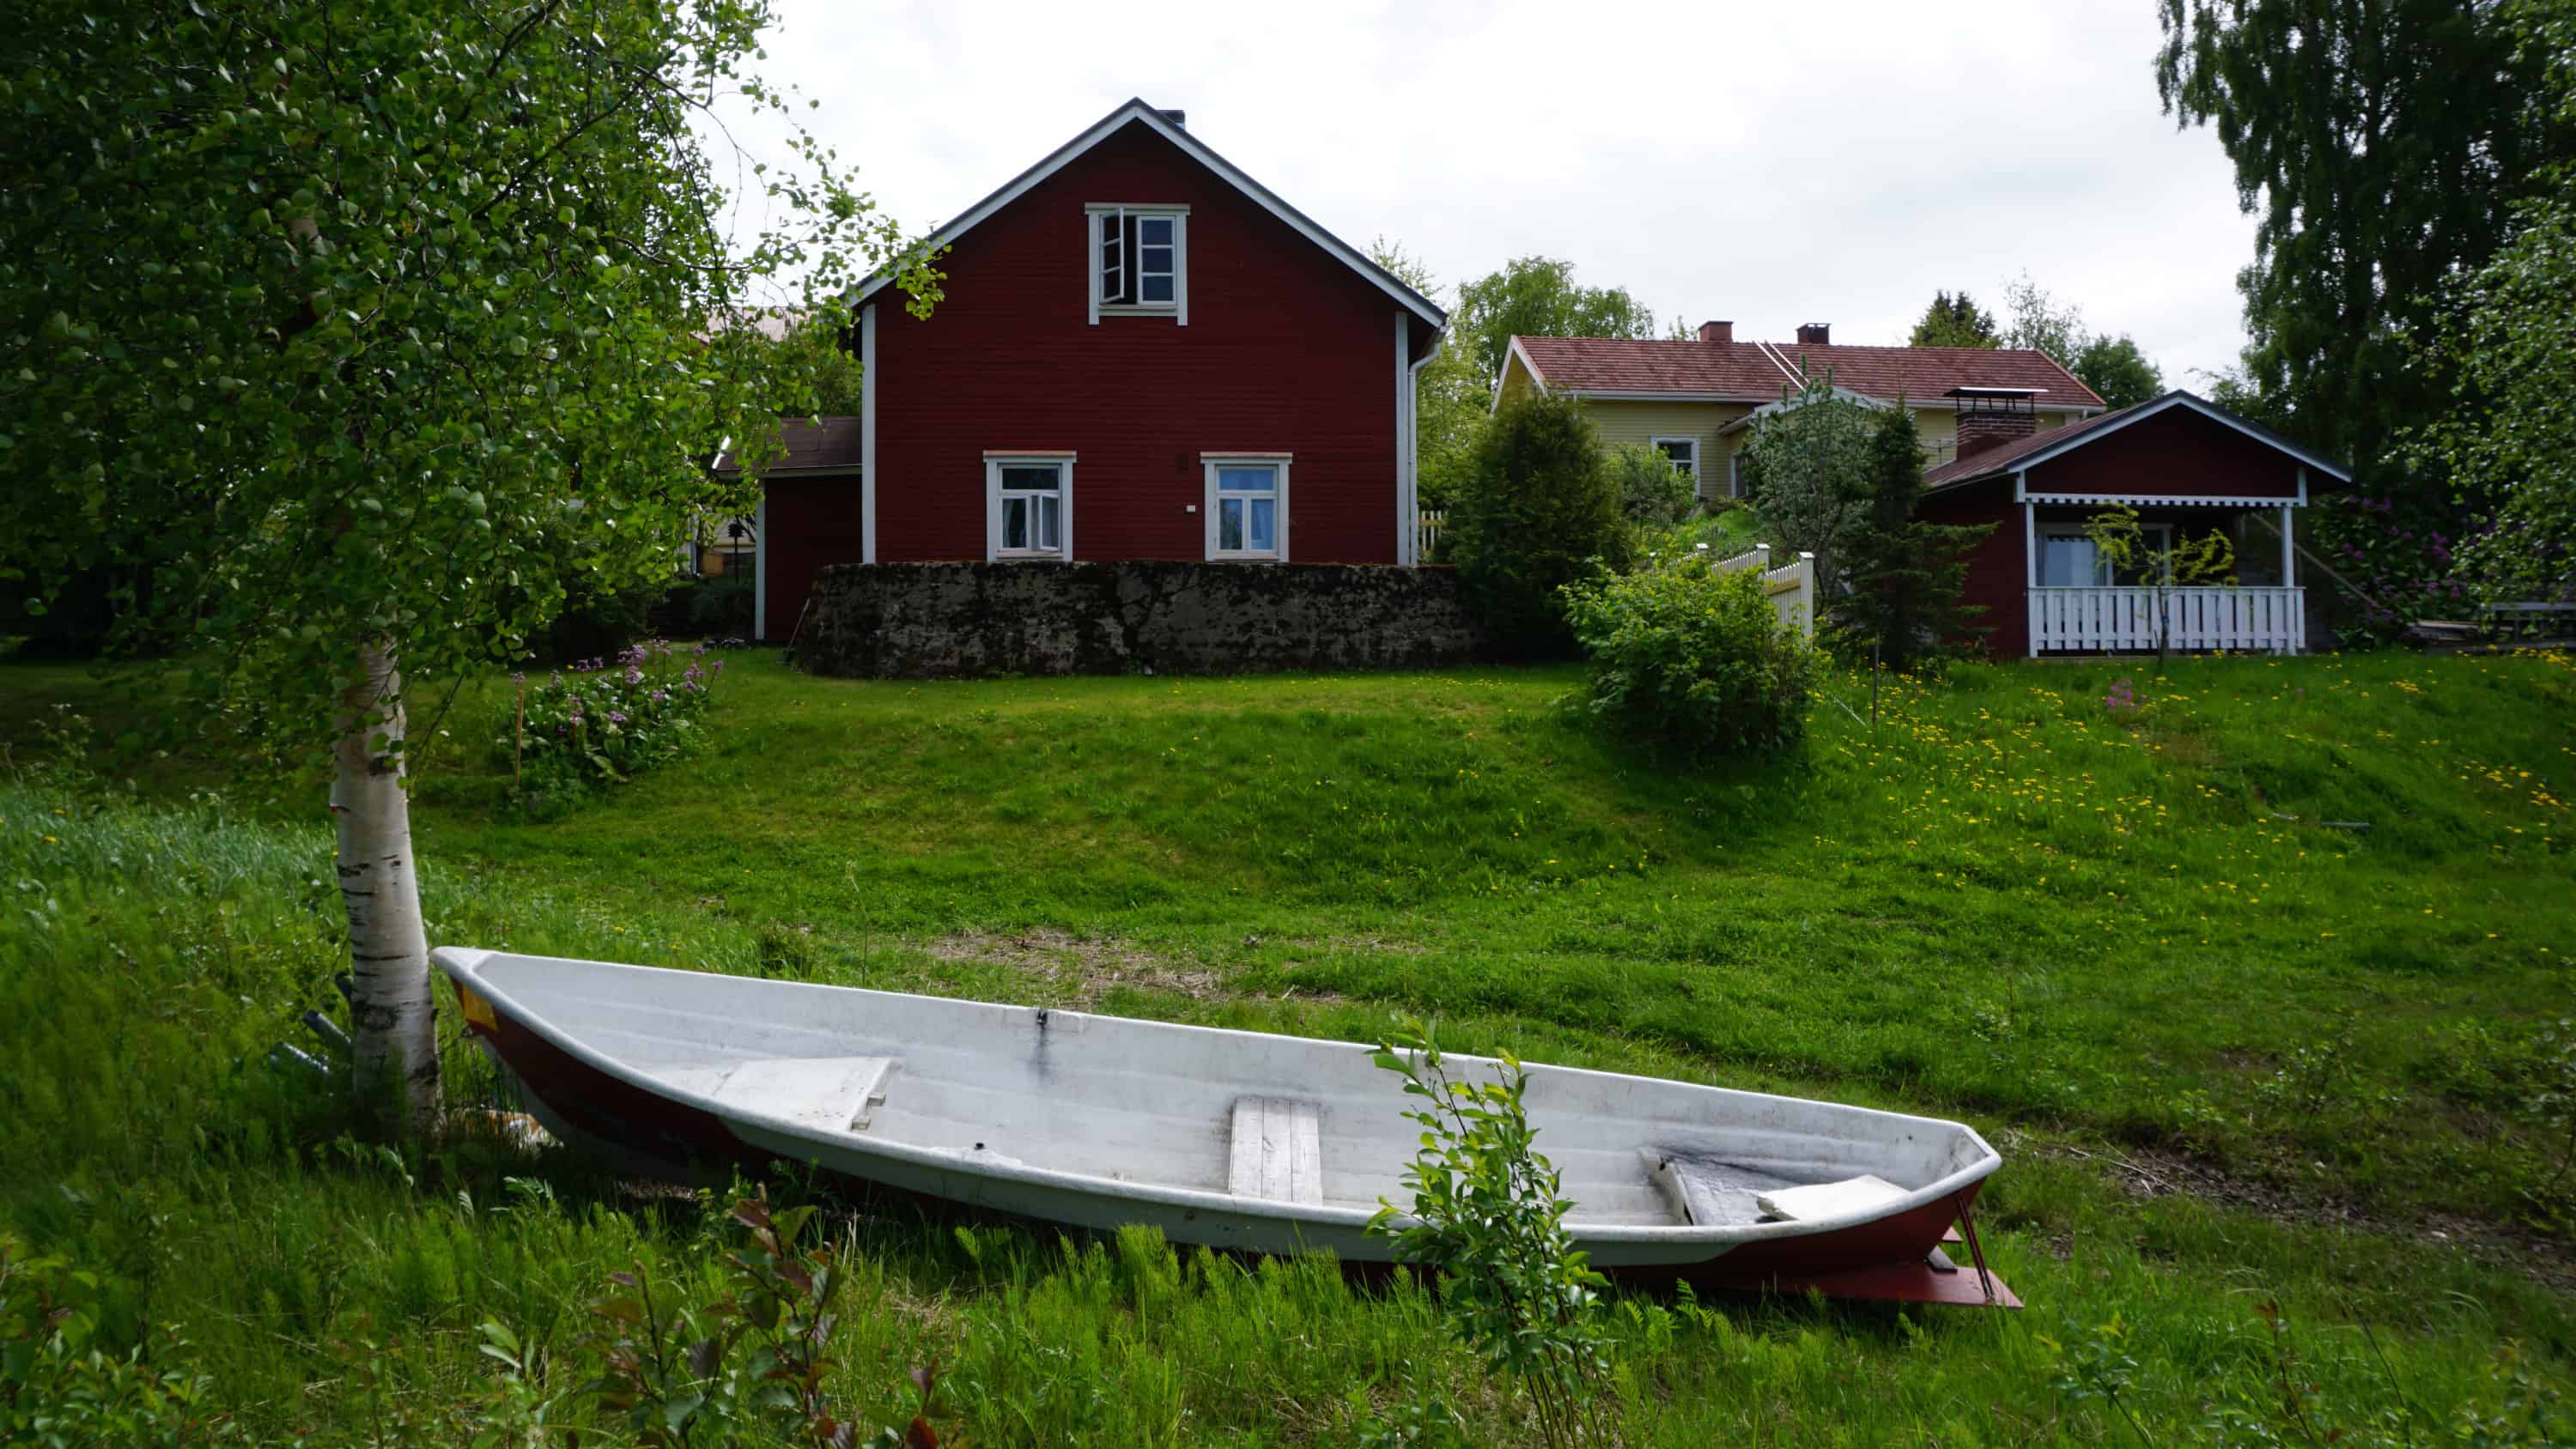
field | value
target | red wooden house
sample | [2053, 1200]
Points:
[1142, 353]
[2187, 465]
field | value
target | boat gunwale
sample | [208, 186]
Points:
[464, 965]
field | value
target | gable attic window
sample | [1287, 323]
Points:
[1139, 261]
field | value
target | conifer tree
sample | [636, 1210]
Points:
[1905, 576]
[1955, 322]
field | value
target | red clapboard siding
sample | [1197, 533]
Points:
[807, 523]
[1998, 571]
[1287, 350]
[2177, 451]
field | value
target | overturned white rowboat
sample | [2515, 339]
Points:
[1233, 1139]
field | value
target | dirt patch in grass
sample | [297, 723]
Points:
[2148, 1172]
[1086, 966]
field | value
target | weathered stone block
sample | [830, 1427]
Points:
[906, 621]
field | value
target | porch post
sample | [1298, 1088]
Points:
[2030, 571]
[2289, 556]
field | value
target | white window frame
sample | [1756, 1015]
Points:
[1214, 463]
[1688, 470]
[1735, 474]
[994, 463]
[2154, 537]
[1102, 219]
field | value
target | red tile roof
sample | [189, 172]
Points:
[1747, 370]
[1616, 364]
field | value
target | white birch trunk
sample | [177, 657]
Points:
[394, 1031]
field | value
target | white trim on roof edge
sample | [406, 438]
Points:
[1788, 369]
[1781, 405]
[1529, 365]
[2177, 500]
[1639, 395]
[2145, 410]
[1199, 151]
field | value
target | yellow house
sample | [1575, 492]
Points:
[1696, 399]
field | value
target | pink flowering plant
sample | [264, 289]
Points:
[600, 722]
[2394, 559]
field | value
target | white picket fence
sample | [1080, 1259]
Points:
[1792, 586]
[2083, 620]
[1426, 531]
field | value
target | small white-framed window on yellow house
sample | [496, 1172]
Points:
[1140, 260]
[1735, 474]
[1682, 453]
[1247, 506]
[1028, 506]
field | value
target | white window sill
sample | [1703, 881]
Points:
[1125, 309]
[1243, 558]
[1057, 557]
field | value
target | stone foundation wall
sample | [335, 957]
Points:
[912, 621]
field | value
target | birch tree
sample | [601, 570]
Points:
[353, 334]
[2380, 145]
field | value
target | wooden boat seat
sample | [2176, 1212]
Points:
[832, 1093]
[1278, 1150]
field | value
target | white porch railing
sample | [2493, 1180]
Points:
[1792, 586]
[1427, 524]
[2093, 620]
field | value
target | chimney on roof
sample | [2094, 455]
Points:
[1815, 334]
[1990, 417]
[1177, 118]
[1717, 332]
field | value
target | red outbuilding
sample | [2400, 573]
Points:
[1142, 353]
[2188, 466]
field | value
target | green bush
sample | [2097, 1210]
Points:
[1689, 659]
[1652, 492]
[1538, 511]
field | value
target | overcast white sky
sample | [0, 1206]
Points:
[1768, 164]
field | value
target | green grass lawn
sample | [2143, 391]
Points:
[2230, 1052]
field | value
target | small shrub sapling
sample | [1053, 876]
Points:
[2120, 541]
[1488, 1214]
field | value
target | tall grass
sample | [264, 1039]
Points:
[1230, 851]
